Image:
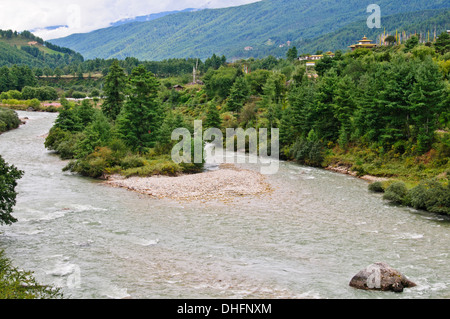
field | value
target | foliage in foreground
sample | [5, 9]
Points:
[17, 284]
[8, 182]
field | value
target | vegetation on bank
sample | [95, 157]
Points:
[14, 283]
[8, 120]
[381, 112]
[18, 284]
[129, 134]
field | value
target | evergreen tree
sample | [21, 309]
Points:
[442, 44]
[411, 43]
[213, 119]
[8, 182]
[302, 99]
[427, 103]
[115, 84]
[292, 54]
[344, 108]
[239, 93]
[68, 119]
[322, 116]
[139, 120]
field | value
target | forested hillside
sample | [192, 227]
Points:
[382, 112]
[260, 27]
[24, 48]
[428, 23]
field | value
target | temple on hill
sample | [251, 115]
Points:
[364, 43]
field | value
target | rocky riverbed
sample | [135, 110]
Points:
[224, 184]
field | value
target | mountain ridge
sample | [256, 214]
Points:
[227, 31]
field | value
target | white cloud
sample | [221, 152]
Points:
[78, 16]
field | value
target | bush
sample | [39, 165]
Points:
[132, 161]
[396, 192]
[431, 196]
[78, 95]
[376, 187]
[438, 199]
[34, 103]
[8, 120]
[14, 94]
[94, 165]
[309, 152]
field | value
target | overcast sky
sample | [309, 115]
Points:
[75, 16]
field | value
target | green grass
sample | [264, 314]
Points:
[19, 41]
[410, 169]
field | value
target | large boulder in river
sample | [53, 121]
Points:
[380, 276]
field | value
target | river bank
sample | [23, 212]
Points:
[307, 239]
[224, 184]
[348, 171]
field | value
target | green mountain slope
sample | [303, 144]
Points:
[425, 22]
[26, 49]
[262, 25]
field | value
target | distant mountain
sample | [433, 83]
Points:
[150, 17]
[424, 23]
[256, 29]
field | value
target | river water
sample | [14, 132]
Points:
[305, 240]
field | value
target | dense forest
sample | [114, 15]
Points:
[381, 112]
[27, 49]
[261, 27]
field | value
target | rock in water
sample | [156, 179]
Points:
[380, 276]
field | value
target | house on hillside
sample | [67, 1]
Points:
[364, 43]
[178, 87]
[316, 57]
[32, 43]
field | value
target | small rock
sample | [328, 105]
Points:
[380, 276]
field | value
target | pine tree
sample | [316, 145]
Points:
[292, 54]
[427, 103]
[344, 108]
[213, 119]
[115, 84]
[139, 120]
[239, 93]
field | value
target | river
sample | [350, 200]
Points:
[305, 240]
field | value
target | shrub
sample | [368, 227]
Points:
[437, 198]
[431, 196]
[95, 164]
[417, 197]
[309, 152]
[132, 161]
[14, 94]
[8, 120]
[376, 187]
[396, 192]
[34, 103]
[78, 95]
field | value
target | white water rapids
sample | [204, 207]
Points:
[306, 240]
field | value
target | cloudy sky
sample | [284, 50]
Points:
[75, 16]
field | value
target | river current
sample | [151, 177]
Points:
[307, 239]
